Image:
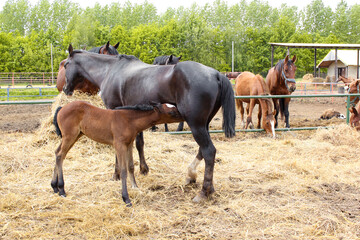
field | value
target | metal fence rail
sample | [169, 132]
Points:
[40, 89]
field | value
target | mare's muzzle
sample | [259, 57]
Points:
[290, 83]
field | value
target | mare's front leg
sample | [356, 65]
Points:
[286, 112]
[180, 127]
[277, 108]
[144, 169]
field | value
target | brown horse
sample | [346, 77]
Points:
[85, 85]
[117, 128]
[249, 84]
[345, 80]
[281, 81]
[355, 117]
[353, 87]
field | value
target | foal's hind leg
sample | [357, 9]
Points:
[249, 117]
[131, 169]
[144, 169]
[259, 117]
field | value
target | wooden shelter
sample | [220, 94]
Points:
[316, 46]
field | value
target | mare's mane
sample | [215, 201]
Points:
[138, 107]
[280, 64]
[128, 57]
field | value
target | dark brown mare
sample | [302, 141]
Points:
[281, 81]
[117, 128]
[249, 84]
[196, 90]
[85, 86]
[168, 60]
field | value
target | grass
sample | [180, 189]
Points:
[27, 93]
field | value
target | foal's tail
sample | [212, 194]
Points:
[58, 132]
[228, 106]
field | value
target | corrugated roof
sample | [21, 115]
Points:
[317, 45]
[347, 57]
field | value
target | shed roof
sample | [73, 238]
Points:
[347, 57]
[317, 45]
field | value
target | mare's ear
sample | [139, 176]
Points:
[357, 82]
[170, 58]
[286, 59]
[294, 59]
[70, 49]
[180, 57]
[107, 45]
[116, 45]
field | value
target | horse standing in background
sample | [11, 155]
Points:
[196, 90]
[168, 60]
[281, 81]
[85, 86]
[249, 84]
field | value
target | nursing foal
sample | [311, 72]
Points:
[117, 128]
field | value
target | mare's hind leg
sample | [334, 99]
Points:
[144, 169]
[259, 118]
[249, 118]
[208, 151]
[191, 175]
[242, 111]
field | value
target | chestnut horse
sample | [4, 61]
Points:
[196, 90]
[85, 86]
[355, 117]
[167, 60]
[249, 84]
[117, 128]
[281, 81]
[353, 87]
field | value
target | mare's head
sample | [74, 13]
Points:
[354, 87]
[268, 120]
[286, 68]
[108, 49]
[168, 113]
[345, 80]
[172, 60]
[73, 75]
[354, 118]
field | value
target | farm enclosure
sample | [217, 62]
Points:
[300, 185]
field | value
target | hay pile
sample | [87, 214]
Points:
[291, 187]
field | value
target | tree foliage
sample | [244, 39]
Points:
[203, 34]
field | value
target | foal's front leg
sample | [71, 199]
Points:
[144, 169]
[121, 153]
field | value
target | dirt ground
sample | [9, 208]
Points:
[303, 113]
[301, 185]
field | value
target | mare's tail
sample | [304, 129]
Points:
[58, 132]
[228, 106]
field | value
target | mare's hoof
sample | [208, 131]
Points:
[129, 204]
[62, 195]
[200, 197]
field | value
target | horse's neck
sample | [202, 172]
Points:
[144, 119]
[264, 107]
[96, 71]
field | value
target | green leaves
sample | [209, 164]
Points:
[199, 33]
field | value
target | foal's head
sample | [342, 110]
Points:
[168, 113]
[354, 118]
[268, 121]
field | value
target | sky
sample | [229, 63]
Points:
[162, 5]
